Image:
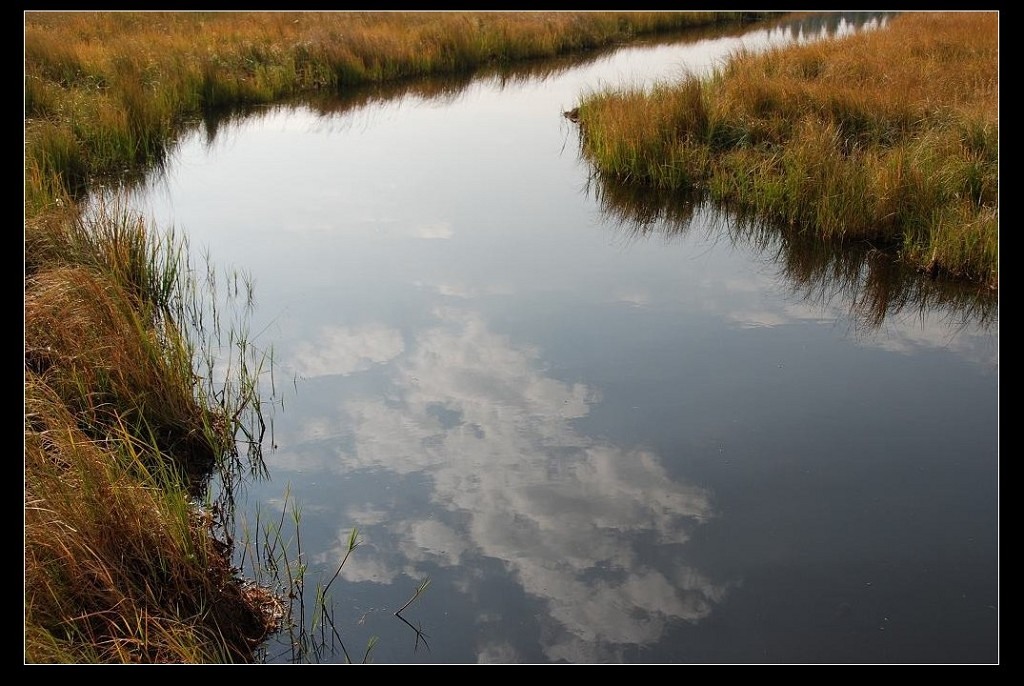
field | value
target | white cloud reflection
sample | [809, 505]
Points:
[344, 350]
[637, 298]
[568, 515]
[433, 231]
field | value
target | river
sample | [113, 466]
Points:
[604, 428]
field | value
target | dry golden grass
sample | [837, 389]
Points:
[113, 367]
[119, 565]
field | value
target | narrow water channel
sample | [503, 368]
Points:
[605, 428]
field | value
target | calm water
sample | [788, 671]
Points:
[606, 428]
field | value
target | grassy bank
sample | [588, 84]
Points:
[888, 137]
[123, 561]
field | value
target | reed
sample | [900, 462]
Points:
[886, 136]
[272, 554]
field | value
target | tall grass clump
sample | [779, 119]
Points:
[120, 566]
[113, 368]
[102, 332]
[888, 136]
[112, 241]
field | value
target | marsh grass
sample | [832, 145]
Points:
[101, 332]
[123, 429]
[887, 136]
[270, 551]
[114, 242]
[119, 563]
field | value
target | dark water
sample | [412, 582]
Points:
[606, 427]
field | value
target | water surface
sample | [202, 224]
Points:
[606, 427]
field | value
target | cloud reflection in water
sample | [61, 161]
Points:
[567, 514]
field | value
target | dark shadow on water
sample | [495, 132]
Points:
[868, 277]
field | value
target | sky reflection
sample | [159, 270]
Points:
[566, 513]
